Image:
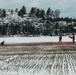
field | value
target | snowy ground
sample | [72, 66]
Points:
[38, 60]
[9, 40]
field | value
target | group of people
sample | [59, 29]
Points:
[73, 38]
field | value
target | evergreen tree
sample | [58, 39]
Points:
[9, 10]
[42, 13]
[38, 13]
[3, 13]
[12, 11]
[33, 11]
[48, 13]
[22, 11]
[16, 10]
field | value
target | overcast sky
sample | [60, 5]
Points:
[67, 7]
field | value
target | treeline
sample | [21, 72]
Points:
[44, 23]
[53, 15]
[39, 13]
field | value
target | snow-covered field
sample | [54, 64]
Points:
[38, 60]
[9, 40]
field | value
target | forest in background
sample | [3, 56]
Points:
[36, 22]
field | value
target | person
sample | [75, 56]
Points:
[60, 38]
[2, 43]
[73, 38]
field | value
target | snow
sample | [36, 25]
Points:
[21, 65]
[38, 63]
[34, 39]
[53, 64]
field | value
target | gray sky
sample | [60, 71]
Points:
[67, 7]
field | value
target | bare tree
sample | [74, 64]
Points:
[56, 13]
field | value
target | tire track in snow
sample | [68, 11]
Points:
[71, 65]
[57, 65]
[52, 68]
[65, 65]
[9, 61]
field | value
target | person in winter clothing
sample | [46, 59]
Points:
[73, 38]
[60, 38]
[2, 43]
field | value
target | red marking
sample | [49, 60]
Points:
[39, 43]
